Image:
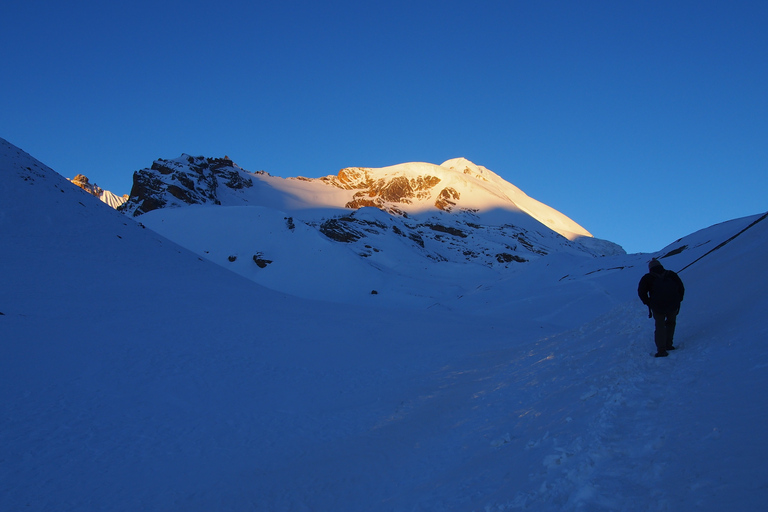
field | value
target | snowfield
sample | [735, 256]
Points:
[136, 374]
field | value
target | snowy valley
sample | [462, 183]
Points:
[231, 355]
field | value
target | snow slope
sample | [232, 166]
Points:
[342, 237]
[547, 215]
[137, 375]
[112, 199]
[306, 263]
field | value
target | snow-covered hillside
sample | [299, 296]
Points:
[341, 237]
[347, 258]
[137, 375]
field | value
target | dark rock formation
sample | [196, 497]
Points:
[183, 181]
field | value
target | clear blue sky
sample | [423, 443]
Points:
[642, 121]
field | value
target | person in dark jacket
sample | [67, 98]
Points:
[662, 291]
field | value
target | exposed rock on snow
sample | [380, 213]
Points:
[260, 260]
[106, 196]
[383, 192]
[184, 181]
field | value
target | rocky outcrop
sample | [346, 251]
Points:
[444, 238]
[387, 193]
[351, 178]
[84, 183]
[446, 199]
[384, 193]
[106, 196]
[184, 181]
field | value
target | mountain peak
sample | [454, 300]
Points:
[106, 196]
[413, 190]
[464, 166]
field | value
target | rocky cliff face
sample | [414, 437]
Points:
[387, 193]
[184, 181]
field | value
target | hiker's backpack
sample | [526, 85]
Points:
[665, 292]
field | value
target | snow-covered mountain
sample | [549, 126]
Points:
[456, 185]
[106, 196]
[421, 222]
[137, 375]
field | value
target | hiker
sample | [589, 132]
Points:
[662, 291]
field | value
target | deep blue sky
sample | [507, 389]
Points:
[642, 121]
